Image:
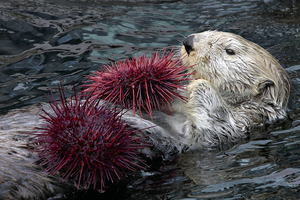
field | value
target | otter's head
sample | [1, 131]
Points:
[234, 64]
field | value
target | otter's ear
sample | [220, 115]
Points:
[264, 85]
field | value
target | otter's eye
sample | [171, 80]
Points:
[230, 52]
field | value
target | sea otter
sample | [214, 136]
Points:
[236, 85]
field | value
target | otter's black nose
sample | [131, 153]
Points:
[188, 44]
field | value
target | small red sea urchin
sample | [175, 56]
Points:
[88, 141]
[140, 83]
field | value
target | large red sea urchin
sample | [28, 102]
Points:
[88, 141]
[140, 83]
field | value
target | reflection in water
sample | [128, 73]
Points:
[44, 42]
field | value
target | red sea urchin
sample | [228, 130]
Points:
[88, 141]
[140, 83]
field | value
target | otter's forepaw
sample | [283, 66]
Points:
[199, 84]
[204, 95]
[213, 121]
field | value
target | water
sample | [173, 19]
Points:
[47, 42]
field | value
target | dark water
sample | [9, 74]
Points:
[44, 42]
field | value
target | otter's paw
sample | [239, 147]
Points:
[212, 119]
[199, 84]
[204, 95]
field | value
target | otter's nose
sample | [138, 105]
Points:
[188, 44]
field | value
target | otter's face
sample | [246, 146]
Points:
[220, 58]
[236, 65]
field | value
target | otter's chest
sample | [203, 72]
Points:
[235, 98]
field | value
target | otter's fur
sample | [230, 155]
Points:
[20, 177]
[236, 85]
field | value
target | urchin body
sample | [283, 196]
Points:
[86, 140]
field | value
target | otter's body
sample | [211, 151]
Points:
[236, 85]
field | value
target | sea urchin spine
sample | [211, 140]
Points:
[86, 140]
[140, 83]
